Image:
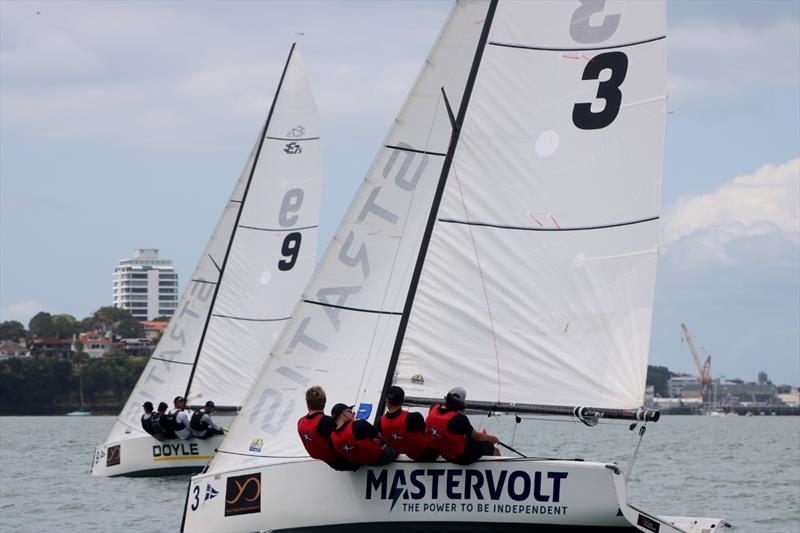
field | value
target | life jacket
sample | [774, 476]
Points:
[147, 424]
[360, 452]
[197, 423]
[316, 445]
[449, 445]
[170, 421]
[159, 421]
[401, 440]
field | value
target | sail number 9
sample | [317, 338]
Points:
[292, 201]
[290, 250]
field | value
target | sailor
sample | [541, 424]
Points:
[201, 423]
[403, 431]
[180, 419]
[315, 430]
[358, 441]
[450, 433]
[147, 419]
[161, 422]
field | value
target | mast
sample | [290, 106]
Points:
[437, 199]
[236, 222]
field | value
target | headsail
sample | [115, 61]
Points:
[253, 269]
[499, 241]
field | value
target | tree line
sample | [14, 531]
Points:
[111, 321]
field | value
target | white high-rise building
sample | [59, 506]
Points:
[146, 285]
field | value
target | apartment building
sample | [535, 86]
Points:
[146, 285]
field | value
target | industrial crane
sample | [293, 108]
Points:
[704, 376]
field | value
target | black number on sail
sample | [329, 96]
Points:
[290, 250]
[582, 115]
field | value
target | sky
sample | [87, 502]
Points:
[124, 125]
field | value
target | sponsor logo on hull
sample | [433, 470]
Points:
[441, 490]
[243, 494]
[181, 449]
[113, 455]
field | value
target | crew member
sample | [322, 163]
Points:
[201, 423]
[147, 420]
[180, 419]
[358, 441]
[161, 422]
[450, 433]
[315, 431]
[403, 431]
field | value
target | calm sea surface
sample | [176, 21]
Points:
[744, 469]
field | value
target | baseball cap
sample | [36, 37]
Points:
[340, 408]
[148, 405]
[178, 399]
[209, 403]
[395, 395]
[457, 393]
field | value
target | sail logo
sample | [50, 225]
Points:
[466, 488]
[297, 131]
[211, 492]
[243, 494]
[113, 455]
[293, 148]
[256, 445]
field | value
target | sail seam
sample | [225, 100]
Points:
[204, 281]
[171, 361]
[359, 309]
[290, 139]
[425, 152]
[277, 229]
[236, 222]
[215, 264]
[251, 319]
[553, 49]
[528, 228]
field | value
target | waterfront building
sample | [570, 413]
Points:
[9, 349]
[154, 330]
[95, 344]
[676, 384]
[146, 285]
[136, 347]
[50, 348]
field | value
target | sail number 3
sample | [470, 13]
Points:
[609, 90]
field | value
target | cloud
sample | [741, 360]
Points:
[707, 228]
[22, 311]
[718, 60]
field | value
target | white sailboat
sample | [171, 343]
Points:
[241, 295]
[504, 240]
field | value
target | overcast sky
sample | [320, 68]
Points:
[125, 124]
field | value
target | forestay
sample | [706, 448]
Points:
[253, 269]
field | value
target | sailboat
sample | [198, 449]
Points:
[251, 273]
[504, 240]
[80, 411]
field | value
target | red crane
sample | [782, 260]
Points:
[704, 370]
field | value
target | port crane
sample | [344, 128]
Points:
[704, 370]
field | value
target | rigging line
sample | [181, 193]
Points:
[528, 228]
[215, 264]
[348, 308]
[483, 282]
[236, 222]
[170, 361]
[393, 147]
[264, 456]
[436, 202]
[552, 49]
[278, 229]
[204, 281]
[251, 319]
[235, 201]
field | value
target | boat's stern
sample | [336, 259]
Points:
[142, 455]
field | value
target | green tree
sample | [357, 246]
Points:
[64, 326]
[763, 379]
[41, 325]
[129, 328]
[658, 376]
[12, 330]
[162, 319]
[109, 320]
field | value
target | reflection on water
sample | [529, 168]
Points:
[744, 469]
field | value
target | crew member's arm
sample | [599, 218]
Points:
[364, 430]
[208, 420]
[482, 436]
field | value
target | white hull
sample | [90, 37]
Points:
[142, 455]
[526, 494]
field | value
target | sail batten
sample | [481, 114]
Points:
[578, 49]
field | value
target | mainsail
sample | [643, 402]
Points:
[253, 269]
[506, 237]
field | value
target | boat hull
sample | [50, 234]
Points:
[144, 456]
[500, 494]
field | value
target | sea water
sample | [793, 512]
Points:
[743, 469]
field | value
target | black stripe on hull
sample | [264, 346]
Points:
[450, 527]
[160, 472]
